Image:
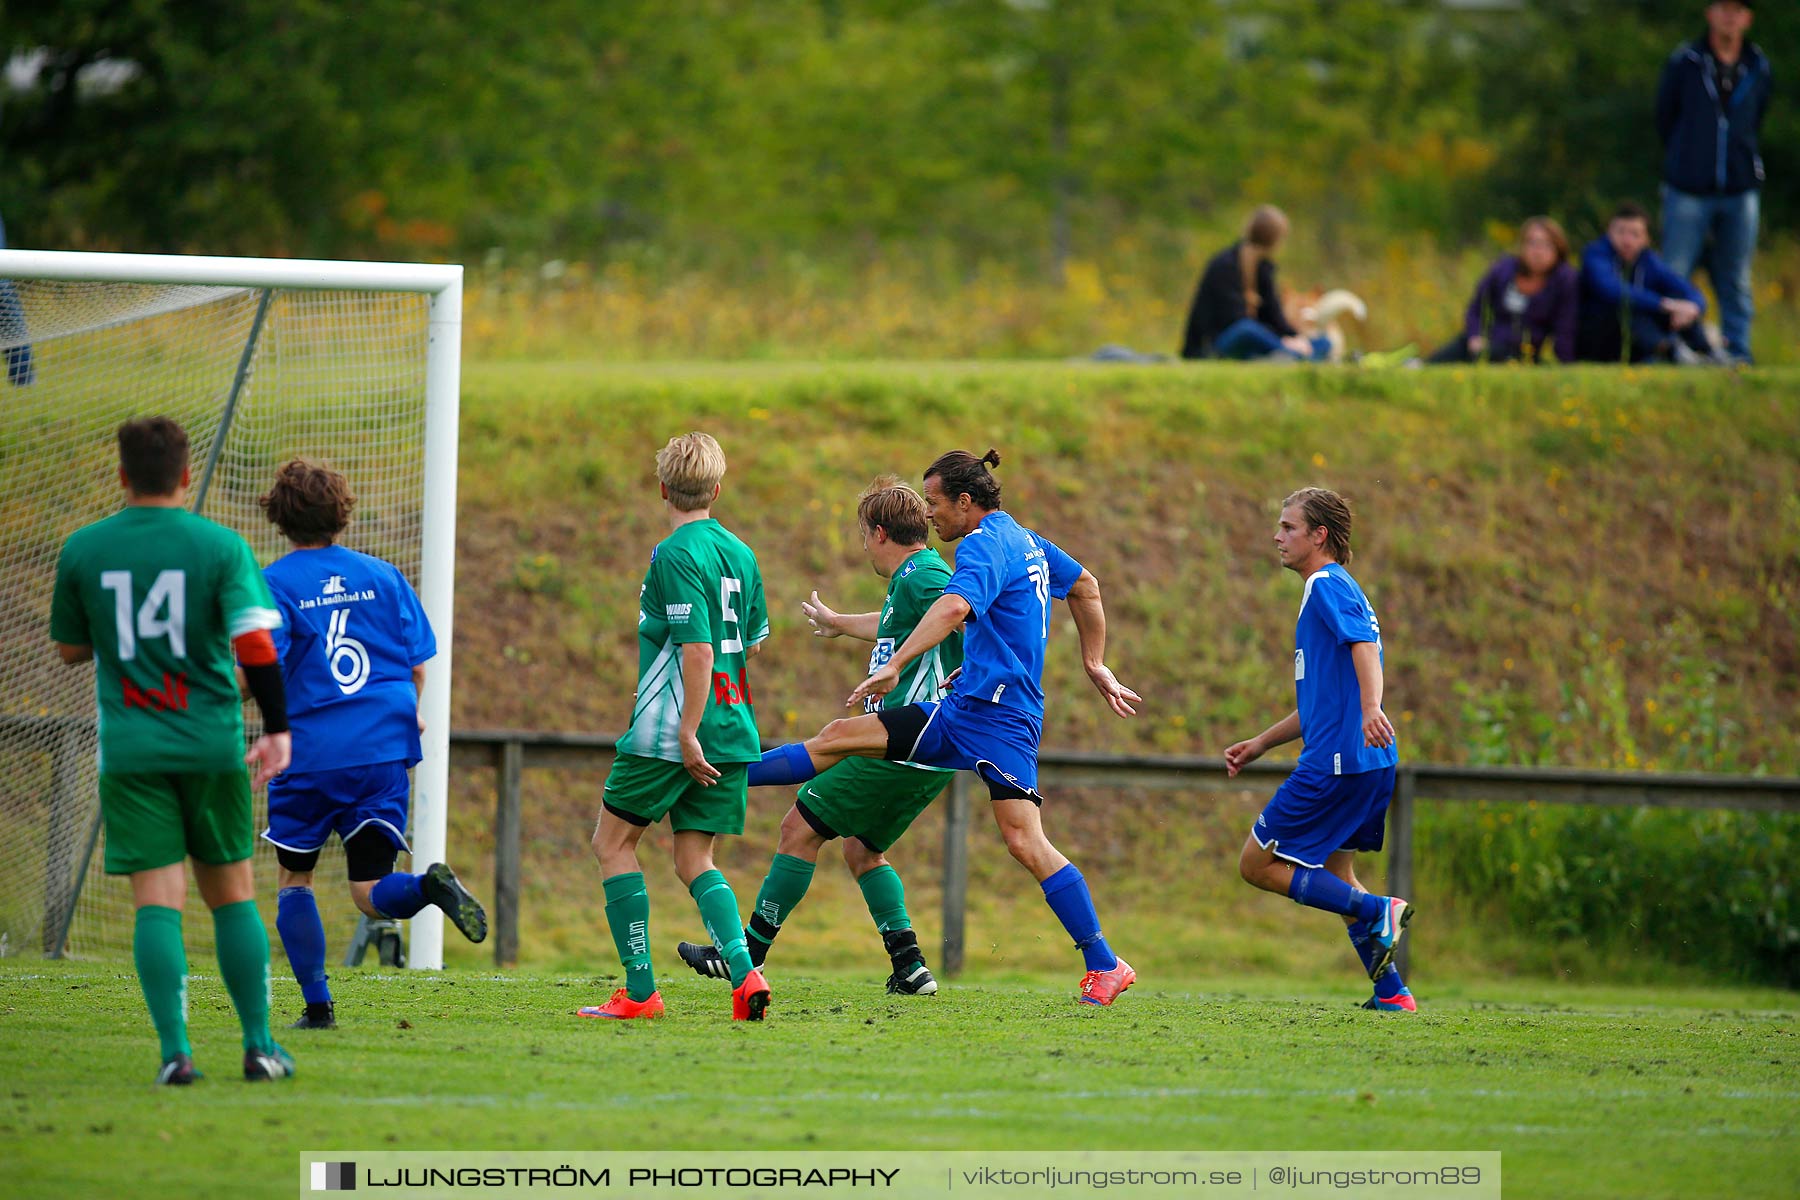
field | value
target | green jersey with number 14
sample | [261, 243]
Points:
[703, 585]
[159, 593]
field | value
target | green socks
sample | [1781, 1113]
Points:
[162, 972]
[628, 915]
[719, 911]
[886, 898]
[243, 946]
[782, 889]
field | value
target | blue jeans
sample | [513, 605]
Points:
[1250, 338]
[1718, 232]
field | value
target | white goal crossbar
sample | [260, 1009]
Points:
[442, 286]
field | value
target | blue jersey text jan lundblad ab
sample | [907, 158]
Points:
[1334, 615]
[1009, 575]
[352, 631]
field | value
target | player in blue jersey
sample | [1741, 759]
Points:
[1335, 803]
[992, 723]
[354, 642]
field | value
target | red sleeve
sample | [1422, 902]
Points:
[255, 649]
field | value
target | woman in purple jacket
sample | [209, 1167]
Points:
[1522, 301]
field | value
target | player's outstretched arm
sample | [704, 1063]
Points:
[946, 614]
[696, 683]
[1241, 754]
[828, 624]
[1090, 622]
[75, 654]
[1377, 729]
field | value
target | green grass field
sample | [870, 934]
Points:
[1585, 1091]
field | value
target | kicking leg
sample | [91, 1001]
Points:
[382, 892]
[796, 762]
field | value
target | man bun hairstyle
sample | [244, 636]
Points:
[960, 473]
[1322, 506]
[152, 453]
[691, 466]
[889, 504]
[309, 502]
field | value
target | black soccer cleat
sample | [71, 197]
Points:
[912, 980]
[706, 960]
[178, 1072]
[317, 1016]
[442, 888]
[273, 1063]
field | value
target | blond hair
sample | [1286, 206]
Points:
[691, 466]
[894, 506]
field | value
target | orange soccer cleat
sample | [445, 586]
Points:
[1103, 987]
[623, 1008]
[750, 998]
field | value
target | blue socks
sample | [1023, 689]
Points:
[303, 937]
[398, 896]
[1066, 892]
[784, 764]
[1362, 938]
[1316, 887]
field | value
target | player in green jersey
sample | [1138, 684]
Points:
[868, 802]
[159, 598]
[701, 615]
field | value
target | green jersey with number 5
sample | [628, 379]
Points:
[159, 593]
[703, 585]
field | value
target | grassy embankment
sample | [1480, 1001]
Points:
[1583, 567]
[929, 302]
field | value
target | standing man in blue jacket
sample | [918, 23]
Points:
[1709, 111]
[1634, 307]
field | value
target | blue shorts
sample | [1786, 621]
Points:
[999, 744]
[306, 809]
[1312, 816]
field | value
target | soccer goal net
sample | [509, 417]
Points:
[260, 361]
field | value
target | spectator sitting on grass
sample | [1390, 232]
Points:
[1524, 300]
[1633, 307]
[1222, 322]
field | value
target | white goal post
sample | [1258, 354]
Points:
[441, 288]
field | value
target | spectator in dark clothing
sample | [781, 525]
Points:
[1221, 322]
[1524, 300]
[1633, 307]
[1709, 111]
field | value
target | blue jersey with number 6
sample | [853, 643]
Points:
[352, 630]
[1009, 575]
